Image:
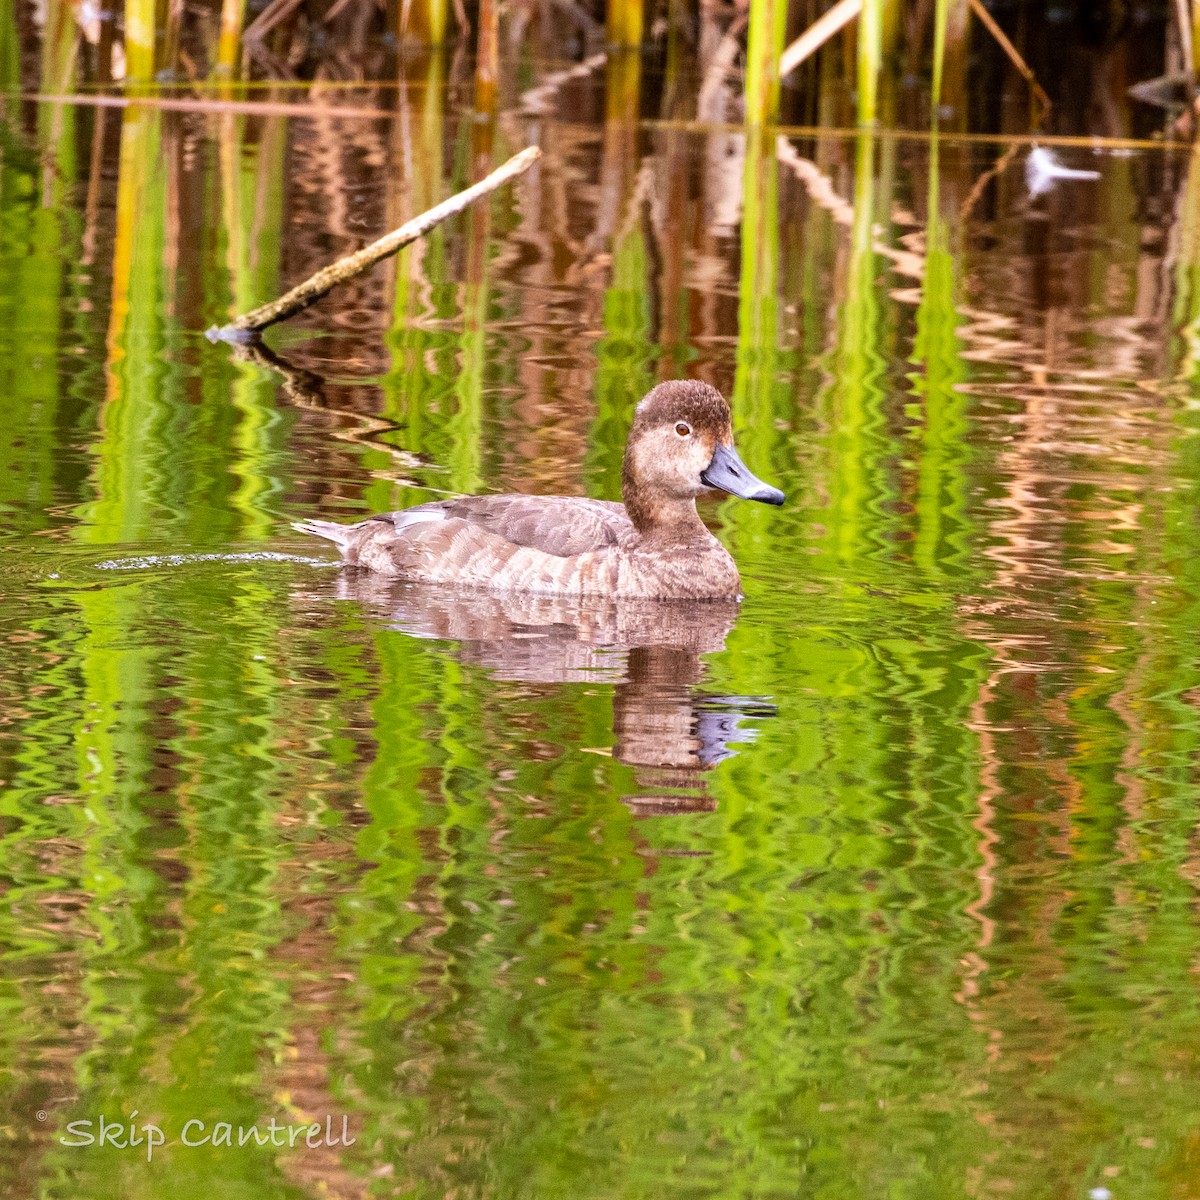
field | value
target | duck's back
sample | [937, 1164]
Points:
[558, 525]
[539, 544]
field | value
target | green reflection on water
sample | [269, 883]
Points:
[931, 932]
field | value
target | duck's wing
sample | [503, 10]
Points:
[559, 525]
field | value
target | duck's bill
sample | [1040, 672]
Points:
[730, 474]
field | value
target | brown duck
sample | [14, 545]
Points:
[654, 546]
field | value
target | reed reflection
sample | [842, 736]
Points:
[665, 725]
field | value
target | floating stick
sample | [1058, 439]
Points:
[244, 328]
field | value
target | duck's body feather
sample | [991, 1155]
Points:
[559, 525]
[543, 545]
[654, 546]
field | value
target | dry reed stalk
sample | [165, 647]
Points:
[173, 31]
[719, 68]
[1195, 65]
[818, 33]
[1013, 53]
[271, 16]
[335, 10]
[245, 327]
[487, 58]
[957, 36]
[1184, 18]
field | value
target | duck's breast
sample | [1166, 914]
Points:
[689, 571]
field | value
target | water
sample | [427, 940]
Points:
[882, 883]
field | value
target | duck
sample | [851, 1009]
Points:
[652, 546]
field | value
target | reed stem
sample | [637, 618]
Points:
[764, 50]
[1184, 17]
[1014, 55]
[424, 21]
[1195, 64]
[870, 60]
[139, 40]
[10, 51]
[878, 29]
[941, 18]
[487, 58]
[624, 22]
[229, 41]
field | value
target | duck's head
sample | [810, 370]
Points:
[681, 444]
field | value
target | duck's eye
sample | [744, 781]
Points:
[683, 429]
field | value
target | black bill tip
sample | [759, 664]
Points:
[728, 473]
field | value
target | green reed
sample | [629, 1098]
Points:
[10, 50]
[951, 33]
[857, 471]
[141, 28]
[428, 21]
[233, 13]
[878, 34]
[764, 45]
[941, 20]
[624, 357]
[624, 22]
[465, 427]
[39, 236]
[870, 59]
[1195, 37]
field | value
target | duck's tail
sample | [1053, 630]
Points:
[331, 531]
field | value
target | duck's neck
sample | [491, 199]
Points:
[658, 517]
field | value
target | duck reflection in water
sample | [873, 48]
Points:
[665, 727]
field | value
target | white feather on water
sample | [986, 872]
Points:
[1043, 170]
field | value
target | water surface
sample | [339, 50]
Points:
[882, 883]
